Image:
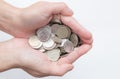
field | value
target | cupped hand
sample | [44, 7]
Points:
[35, 16]
[18, 53]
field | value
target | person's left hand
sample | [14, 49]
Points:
[27, 20]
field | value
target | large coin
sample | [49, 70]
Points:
[50, 44]
[44, 33]
[56, 39]
[74, 39]
[68, 46]
[53, 55]
[63, 32]
[55, 27]
[35, 42]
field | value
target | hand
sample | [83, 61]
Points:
[19, 54]
[27, 20]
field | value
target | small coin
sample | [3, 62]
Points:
[42, 50]
[53, 55]
[74, 39]
[62, 33]
[50, 44]
[62, 50]
[35, 42]
[68, 46]
[44, 33]
[54, 28]
[69, 31]
[56, 39]
[56, 19]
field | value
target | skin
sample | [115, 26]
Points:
[16, 53]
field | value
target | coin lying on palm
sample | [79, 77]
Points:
[35, 42]
[63, 32]
[44, 33]
[68, 46]
[53, 55]
[55, 40]
[48, 45]
[74, 39]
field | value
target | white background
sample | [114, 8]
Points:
[101, 17]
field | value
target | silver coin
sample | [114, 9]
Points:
[68, 46]
[54, 28]
[44, 33]
[49, 45]
[62, 33]
[56, 19]
[74, 39]
[42, 50]
[69, 31]
[56, 39]
[53, 55]
[34, 42]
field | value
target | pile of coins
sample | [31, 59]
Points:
[55, 40]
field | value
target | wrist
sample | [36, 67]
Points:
[9, 16]
[7, 58]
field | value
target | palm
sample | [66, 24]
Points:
[36, 62]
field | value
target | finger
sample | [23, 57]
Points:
[78, 52]
[85, 35]
[60, 8]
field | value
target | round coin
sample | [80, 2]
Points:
[62, 33]
[50, 44]
[54, 28]
[44, 33]
[68, 46]
[69, 31]
[53, 55]
[74, 39]
[56, 19]
[35, 42]
[56, 39]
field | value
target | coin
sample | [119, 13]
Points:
[56, 19]
[48, 45]
[68, 46]
[44, 33]
[42, 50]
[54, 28]
[62, 50]
[69, 30]
[56, 39]
[35, 42]
[62, 32]
[53, 55]
[74, 39]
